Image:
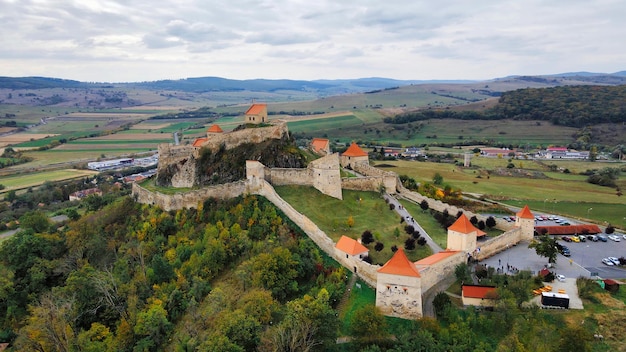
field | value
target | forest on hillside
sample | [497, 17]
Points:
[229, 276]
[572, 106]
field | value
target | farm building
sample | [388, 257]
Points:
[109, 164]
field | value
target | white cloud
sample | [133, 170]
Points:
[406, 39]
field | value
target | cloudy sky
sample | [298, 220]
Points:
[144, 40]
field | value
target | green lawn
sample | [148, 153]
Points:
[359, 297]
[368, 209]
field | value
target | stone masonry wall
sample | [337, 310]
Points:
[362, 183]
[248, 135]
[189, 199]
[499, 244]
[279, 177]
[434, 273]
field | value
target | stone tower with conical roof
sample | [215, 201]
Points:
[399, 288]
[462, 235]
[525, 220]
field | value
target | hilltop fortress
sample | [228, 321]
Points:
[400, 284]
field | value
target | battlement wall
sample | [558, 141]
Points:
[249, 135]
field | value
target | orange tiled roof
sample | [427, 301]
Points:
[319, 144]
[399, 264]
[354, 150]
[199, 142]
[437, 257]
[463, 225]
[473, 291]
[350, 246]
[215, 129]
[256, 109]
[525, 213]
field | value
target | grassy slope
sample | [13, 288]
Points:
[370, 213]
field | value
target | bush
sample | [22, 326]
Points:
[609, 229]
[367, 237]
[379, 246]
[409, 244]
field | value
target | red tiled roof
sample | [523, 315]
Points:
[525, 213]
[354, 150]
[568, 229]
[435, 258]
[463, 225]
[472, 291]
[399, 264]
[350, 246]
[256, 109]
[199, 142]
[319, 144]
[215, 129]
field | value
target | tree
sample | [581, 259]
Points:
[424, 205]
[350, 221]
[491, 222]
[368, 324]
[409, 244]
[545, 247]
[438, 179]
[379, 246]
[152, 325]
[474, 220]
[481, 224]
[409, 229]
[609, 229]
[367, 237]
[441, 302]
[35, 220]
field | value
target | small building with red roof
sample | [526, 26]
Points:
[354, 155]
[479, 296]
[320, 146]
[351, 248]
[212, 131]
[256, 114]
[215, 128]
[399, 287]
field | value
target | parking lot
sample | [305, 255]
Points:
[588, 255]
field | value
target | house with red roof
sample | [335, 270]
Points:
[256, 114]
[351, 248]
[479, 296]
[320, 146]
[354, 155]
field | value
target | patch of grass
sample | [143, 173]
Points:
[368, 210]
[37, 178]
[359, 297]
[324, 124]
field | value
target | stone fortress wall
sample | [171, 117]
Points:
[324, 175]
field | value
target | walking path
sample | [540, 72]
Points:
[410, 221]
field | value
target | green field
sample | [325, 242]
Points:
[563, 195]
[368, 209]
[325, 124]
[37, 178]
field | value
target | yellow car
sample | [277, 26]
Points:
[575, 239]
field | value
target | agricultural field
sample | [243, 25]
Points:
[34, 179]
[565, 196]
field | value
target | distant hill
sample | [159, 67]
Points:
[321, 87]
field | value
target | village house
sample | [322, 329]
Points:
[78, 195]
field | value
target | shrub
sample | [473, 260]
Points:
[379, 246]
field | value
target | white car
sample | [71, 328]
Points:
[608, 262]
[560, 277]
[614, 260]
[614, 238]
[624, 237]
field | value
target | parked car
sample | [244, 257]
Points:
[624, 237]
[575, 239]
[582, 238]
[593, 238]
[614, 238]
[602, 238]
[607, 261]
[565, 251]
[566, 239]
[614, 260]
[560, 277]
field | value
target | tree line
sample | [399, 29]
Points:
[573, 106]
